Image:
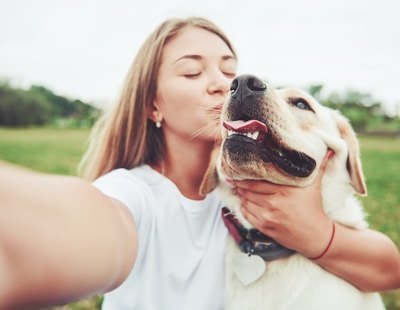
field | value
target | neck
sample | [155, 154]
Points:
[185, 164]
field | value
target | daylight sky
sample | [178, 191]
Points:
[83, 48]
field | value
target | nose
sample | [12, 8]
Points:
[247, 85]
[220, 84]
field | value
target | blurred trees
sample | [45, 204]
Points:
[39, 106]
[365, 113]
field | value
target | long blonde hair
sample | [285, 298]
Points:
[125, 137]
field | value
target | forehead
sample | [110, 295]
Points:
[195, 41]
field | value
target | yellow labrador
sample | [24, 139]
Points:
[282, 136]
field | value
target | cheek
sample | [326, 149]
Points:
[178, 97]
[182, 108]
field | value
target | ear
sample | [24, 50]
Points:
[154, 112]
[353, 160]
[210, 179]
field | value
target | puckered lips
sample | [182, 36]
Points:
[254, 136]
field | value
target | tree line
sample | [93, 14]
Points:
[39, 106]
[366, 114]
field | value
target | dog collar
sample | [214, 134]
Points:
[252, 241]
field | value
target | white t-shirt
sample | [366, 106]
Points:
[181, 242]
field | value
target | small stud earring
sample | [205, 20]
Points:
[158, 124]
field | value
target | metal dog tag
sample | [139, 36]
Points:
[248, 268]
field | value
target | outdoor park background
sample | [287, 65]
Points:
[57, 56]
[47, 132]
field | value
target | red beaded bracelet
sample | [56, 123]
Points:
[329, 244]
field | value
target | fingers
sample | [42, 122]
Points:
[256, 198]
[256, 186]
[255, 217]
[260, 213]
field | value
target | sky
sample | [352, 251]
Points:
[83, 48]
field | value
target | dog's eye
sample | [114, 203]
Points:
[300, 103]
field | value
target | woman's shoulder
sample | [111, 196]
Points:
[130, 187]
[138, 174]
[123, 182]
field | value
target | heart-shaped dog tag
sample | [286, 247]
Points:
[248, 268]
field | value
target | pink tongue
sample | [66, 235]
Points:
[242, 126]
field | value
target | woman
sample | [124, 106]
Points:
[143, 229]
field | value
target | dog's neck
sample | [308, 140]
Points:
[253, 241]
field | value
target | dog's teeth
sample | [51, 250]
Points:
[254, 135]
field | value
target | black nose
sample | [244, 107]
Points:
[247, 84]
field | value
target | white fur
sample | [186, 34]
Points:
[296, 282]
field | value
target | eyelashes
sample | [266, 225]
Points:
[198, 74]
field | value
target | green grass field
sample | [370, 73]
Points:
[59, 151]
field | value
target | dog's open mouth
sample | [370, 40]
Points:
[254, 137]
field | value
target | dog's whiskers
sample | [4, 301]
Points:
[205, 128]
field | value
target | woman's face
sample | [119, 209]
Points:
[194, 78]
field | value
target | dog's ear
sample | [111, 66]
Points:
[210, 179]
[354, 166]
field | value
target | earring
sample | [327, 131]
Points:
[158, 124]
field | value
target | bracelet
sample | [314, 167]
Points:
[329, 244]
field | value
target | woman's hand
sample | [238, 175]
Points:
[293, 216]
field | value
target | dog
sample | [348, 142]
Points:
[282, 136]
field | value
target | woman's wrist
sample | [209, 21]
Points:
[353, 251]
[328, 246]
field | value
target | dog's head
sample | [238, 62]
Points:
[281, 136]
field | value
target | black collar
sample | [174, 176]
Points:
[253, 241]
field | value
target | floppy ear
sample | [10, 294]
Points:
[353, 160]
[210, 179]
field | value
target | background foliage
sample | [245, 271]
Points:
[39, 106]
[365, 113]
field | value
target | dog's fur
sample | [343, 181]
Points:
[295, 121]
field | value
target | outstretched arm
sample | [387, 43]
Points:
[60, 239]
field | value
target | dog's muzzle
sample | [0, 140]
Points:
[251, 136]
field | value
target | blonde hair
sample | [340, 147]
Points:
[125, 137]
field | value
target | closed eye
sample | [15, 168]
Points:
[301, 104]
[229, 74]
[192, 76]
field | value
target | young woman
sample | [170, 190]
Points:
[142, 230]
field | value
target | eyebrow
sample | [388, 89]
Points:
[198, 57]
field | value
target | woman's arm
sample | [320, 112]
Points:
[294, 217]
[60, 239]
[366, 258]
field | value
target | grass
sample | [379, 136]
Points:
[380, 158]
[48, 150]
[382, 170]
[59, 151]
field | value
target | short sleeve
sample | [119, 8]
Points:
[122, 185]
